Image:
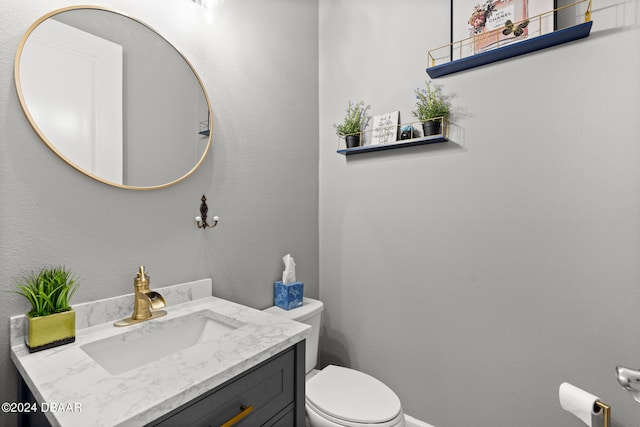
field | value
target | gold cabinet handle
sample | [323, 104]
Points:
[246, 410]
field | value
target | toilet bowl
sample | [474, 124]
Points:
[338, 396]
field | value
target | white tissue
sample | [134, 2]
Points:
[577, 401]
[289, 273]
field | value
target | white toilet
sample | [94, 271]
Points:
[337, 396]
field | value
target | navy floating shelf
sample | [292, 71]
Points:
[544, 41]
[401, 144]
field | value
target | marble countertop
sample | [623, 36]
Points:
[67, 375]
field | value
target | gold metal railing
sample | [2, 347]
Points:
[458, 45]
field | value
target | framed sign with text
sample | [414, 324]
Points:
[385, 128]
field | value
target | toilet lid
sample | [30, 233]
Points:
[352, 396]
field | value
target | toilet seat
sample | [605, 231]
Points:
[348, 397]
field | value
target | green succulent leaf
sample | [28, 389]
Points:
[48, 291]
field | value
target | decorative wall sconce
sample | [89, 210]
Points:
[212, 9]
[209, 4]
[201, 221]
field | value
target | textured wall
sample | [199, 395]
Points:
[475, 276]
[259, 65]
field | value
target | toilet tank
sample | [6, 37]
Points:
[309, 313]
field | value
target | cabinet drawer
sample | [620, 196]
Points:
[287, 420]
[269, 388]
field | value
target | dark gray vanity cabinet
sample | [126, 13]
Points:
[274, 390]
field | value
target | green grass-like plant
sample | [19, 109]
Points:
[430, 105]
[355, 120]
[49, 291]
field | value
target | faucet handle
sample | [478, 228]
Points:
[142, 279]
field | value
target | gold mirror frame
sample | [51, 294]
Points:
[52, 146]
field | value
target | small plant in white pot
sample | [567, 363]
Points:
[51, 321]
[431, 109]
[354, 122]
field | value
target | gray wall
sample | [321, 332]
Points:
[476, 276]
[473, 277]
[259, 65]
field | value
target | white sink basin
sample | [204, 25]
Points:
[157, 339]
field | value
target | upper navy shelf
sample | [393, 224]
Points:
[526, 46]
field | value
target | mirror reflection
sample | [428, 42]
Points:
[113, 98]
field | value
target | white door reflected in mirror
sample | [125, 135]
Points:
[72, 82]
[127, 110]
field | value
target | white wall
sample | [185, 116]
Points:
[259, 65]
[476, 276]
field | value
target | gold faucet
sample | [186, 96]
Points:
[147, 303]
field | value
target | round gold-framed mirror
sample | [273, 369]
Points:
[113, 98]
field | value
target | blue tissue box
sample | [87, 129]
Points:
[288, 296]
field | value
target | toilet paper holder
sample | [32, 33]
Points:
[584, 405]
[601, 415]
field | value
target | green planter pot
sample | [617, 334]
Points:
[50, 331]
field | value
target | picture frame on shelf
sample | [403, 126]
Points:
[479, 26]
[385, 128]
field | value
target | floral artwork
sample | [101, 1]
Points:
[479, 17]
[478, 27]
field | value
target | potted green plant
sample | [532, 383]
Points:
[431, 109]
[51, 321]
[354, 122]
